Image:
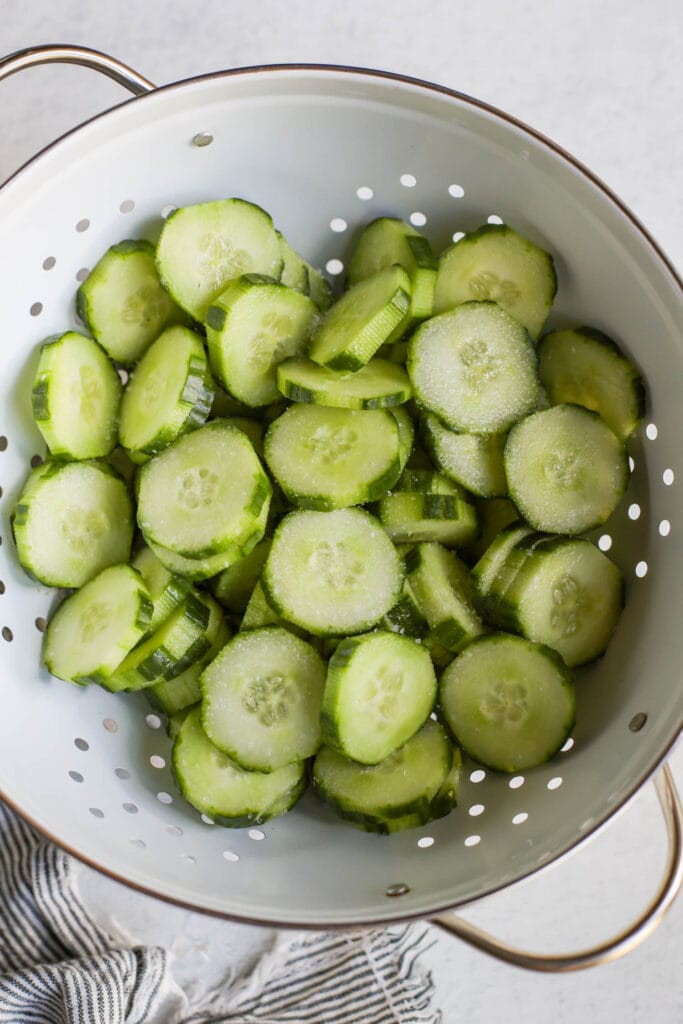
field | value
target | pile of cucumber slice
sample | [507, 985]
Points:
[337, 539]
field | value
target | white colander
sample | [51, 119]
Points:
[324, 150]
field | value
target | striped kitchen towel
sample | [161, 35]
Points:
[58, 967]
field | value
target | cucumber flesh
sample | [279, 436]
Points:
[330, 458]
[474, 368]
[123, 303]
[566, 470]
[170, 392]
[71, 521]
[509, 702]
[216, 786]
[75, 397]
[497, 263]
[380, 689]
[94, 629]
[332, 573]
[203, 247]
[261, 699]
[585, 367]
[377, 385]
[475, 461]
[361, 320]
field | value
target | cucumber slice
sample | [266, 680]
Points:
[475, 461]
[441, 585]
[167, 590]
[568, 595]
[331, 458]
[94, 629]
[493, 515]
[183, 691]
[251, 327]
[71, 521]
[205, 246]
[258, 613]
[75, 397]
[123, 303]
[203, 494]
[233, 586]
[405, 617]
[216, 786]
[411, 517]
[332, 573]
[261, 699]
[377, 385]
[294, 273]
[387, 241]
[319, 289]
[509, 702]
[403, 784]
[566, 470]
[474, 368]
[170, 392]
[198, 569]
[585, 367]
[252, 428]
[406, 433]
[496, 263]
[487, 570]
[361, 320]
[380, 689]
[178, 642]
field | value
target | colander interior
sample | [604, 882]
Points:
[324, 151]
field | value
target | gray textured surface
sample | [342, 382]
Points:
[604, 81]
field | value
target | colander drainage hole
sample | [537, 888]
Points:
[457, 191]
[110, 724]
[36, 309]
[417, 219]
[123, 375]
[41, 625]
[75, 776]
[157, 761]
[152, 721]
[175, 831]
[256, 834]
[202, 139]
[3, 443]
[637, 722]
[408, 180]
[82, 274]
[122, 773]
[520, 818]
[49, 262]
[631, 463]
[364, 192]
[475, 810]
[641, 570]
[96, 812]
[82, 225]
[81, 744]
[131, 808]
[651, 431]
[668, 477]
[664, 528]
[167, 210]
[478, 775]
[425, 842]
[493, 218]
[127, 205]
[516, 781]
[2, 587]
[207, 820]
[568, 745]
[472, 840]
[555, 783]
[605, 542]
[338, 224]
[634, 511]
[334, 267]
[164, 798]
[7, 634]
[458, 235]
[231, 856]
[36, 460]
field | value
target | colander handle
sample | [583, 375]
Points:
[622, 943]
[58, 54]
